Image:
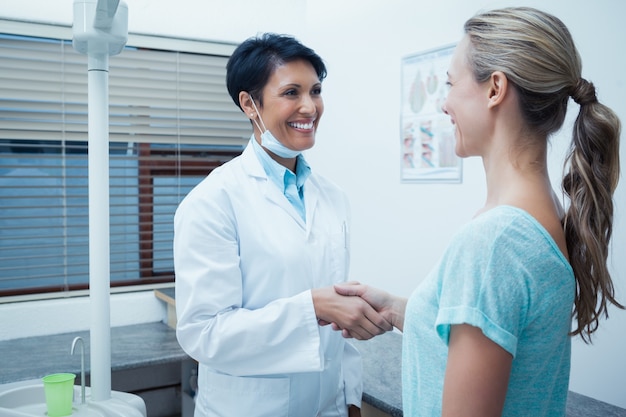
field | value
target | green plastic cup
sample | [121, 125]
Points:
[59, 389]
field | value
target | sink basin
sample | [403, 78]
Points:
[27, 399]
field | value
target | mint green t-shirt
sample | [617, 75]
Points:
[504, 274]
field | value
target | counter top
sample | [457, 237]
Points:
[382, 379]
[132, 347]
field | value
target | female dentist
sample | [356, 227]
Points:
[259, 244]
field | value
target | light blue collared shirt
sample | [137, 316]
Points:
[292, 185]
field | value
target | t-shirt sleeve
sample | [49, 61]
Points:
[483, 284]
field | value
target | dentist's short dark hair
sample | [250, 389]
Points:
[253, 62]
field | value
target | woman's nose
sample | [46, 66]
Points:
[308, 104]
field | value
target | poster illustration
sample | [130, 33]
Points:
[427, 134]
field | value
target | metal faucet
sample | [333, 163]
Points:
[82, 366]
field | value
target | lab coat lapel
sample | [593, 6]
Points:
[311, 198]
[253, 167]
[273, 194]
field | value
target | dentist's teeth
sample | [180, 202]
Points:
[302, 125]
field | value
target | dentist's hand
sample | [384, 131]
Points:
[350, 313]
[390, 307]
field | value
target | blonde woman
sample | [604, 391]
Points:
[488, 331]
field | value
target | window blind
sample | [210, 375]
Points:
[171, 123]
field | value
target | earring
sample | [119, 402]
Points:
[252, 115]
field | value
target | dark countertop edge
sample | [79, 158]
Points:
[382, 405]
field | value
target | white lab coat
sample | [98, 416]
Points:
[245, 263]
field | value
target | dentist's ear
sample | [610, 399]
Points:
[245, 101]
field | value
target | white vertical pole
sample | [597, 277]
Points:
[100, 29]
[99, 252]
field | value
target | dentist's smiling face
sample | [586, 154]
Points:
[292, 105]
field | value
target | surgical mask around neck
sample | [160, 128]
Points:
[269, 142]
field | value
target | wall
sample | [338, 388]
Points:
[69, 314]
[399, 230]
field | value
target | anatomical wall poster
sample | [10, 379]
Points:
[426, 132]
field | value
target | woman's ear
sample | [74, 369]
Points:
[498, 88]
[245, 101]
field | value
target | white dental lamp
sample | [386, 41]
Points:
[100, 30]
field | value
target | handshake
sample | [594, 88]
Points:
[357, 310]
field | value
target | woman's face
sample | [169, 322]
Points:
[466, 104]
[293, 105]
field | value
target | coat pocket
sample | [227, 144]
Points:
[226, 396]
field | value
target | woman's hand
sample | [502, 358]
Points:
[350, 313]
[390, 307]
